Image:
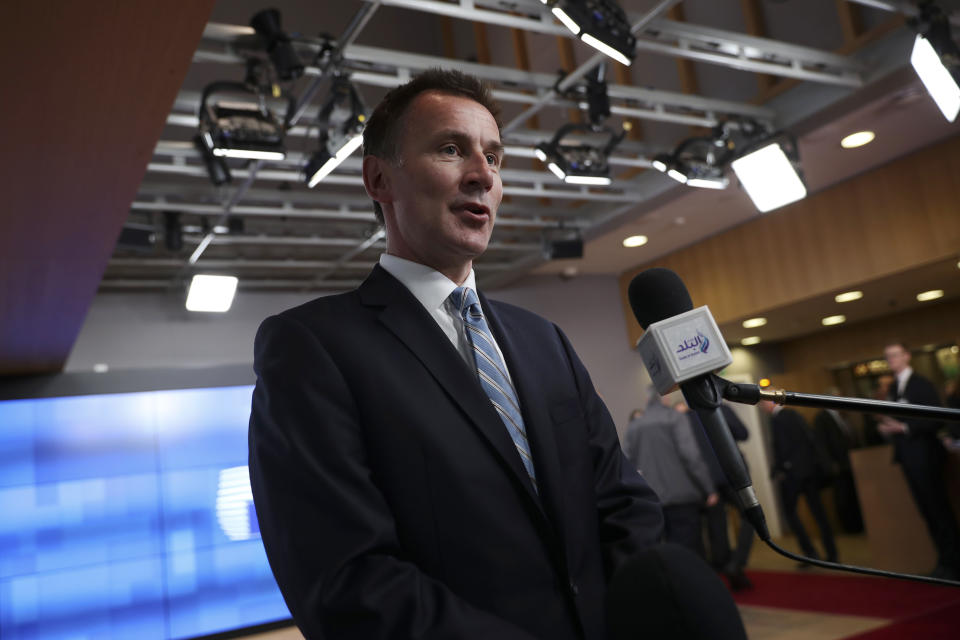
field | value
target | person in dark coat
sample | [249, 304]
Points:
[922, 457]
[796, 466]
[835, 438]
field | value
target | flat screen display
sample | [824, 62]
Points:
[129, 515]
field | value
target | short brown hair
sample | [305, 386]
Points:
[381, 132]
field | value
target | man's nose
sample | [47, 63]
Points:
[479, 173]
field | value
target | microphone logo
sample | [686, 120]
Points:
[691, 346]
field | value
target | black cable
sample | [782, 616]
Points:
[863, 570]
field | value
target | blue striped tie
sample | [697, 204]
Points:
[492, 373]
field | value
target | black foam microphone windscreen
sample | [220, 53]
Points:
[657, 294]
[669, 592]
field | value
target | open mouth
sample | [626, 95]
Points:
[472, 208]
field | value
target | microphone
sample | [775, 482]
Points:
[682, 345]
[668, 592]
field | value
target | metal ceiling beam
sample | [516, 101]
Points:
[665, 106]
[127, 284]
[241, 263]
[749, 53]
[519, 247]
[539, 190]
[332, 215]
[736, 50]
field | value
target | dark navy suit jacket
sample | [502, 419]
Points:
[391, 499]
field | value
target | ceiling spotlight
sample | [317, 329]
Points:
[753, 323]
[237, 124]
[769, 176]
[344, 117]
[832, 320]
[285, 60]
[857, 139]
[848, 296]
[696, 162]
[579, 163]
[211, 293]
[936, 58]
[933, 294]
[635, 241]
[750, 341]
[602, 24]
[764, 382]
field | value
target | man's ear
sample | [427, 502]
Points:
[376, 179]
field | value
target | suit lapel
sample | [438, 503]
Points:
[404, 316]
[536, 418]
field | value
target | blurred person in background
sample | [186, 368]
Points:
[662, 446]
[730, 563]
[796, 467]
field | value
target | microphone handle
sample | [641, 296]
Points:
[703, 397]
[752, 394]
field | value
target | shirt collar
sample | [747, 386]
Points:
[428, 285]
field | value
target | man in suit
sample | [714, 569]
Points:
[795, 465]
[425, 462]
[922, 458]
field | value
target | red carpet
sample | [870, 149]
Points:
[849, 595]
[917, 610]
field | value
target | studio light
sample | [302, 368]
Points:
[769, 177]
[602, 24]
[237, 124]
[579, 163]
[936, 58]
[277, 43]
[695, 162]
[211, 293]
[343, 116]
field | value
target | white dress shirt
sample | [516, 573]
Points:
[902, 378]
[433, 290]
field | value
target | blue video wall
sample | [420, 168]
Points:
[130, 516]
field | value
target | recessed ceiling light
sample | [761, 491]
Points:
[831, 320]
[749, 341]
[101, 367]
[930, 295]
[848, 296]
[753, 323]
[857, 139]
[635, 241]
